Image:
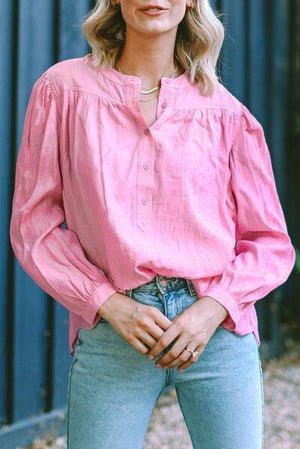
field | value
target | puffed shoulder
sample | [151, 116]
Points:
[72, 73]
[248, 126]
[248, 120]
[223, 98]
[42, 91]
[62, 75]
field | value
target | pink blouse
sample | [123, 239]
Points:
[193, 195]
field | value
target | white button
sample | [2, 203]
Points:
[146, 166]
[144, 201]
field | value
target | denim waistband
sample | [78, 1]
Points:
[166, 283]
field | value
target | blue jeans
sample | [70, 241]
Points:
[113, 388]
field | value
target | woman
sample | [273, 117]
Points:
[174, 226]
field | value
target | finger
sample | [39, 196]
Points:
[188, 363]
[183, 357]
[154, 330]
[191, 360]
[169, 335]
[160, 319]
[176, 352]
[145, 338]
[137, 344]
[186, 356]
[146, 324]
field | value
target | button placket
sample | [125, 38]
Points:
[145, 183]
[146, 157]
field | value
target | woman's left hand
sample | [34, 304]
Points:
[191, 328]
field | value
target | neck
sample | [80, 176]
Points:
[148, 58]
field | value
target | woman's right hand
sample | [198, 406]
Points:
[141, 325]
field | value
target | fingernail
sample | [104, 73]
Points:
[150, 357]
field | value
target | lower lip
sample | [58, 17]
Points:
[154, 13]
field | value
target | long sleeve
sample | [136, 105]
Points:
[264, 255]
[50, 254]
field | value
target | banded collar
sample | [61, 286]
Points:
[117, 77]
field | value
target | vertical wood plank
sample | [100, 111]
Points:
[277, 95]
[234, 50]
[35, 48]
[7, 42]
[256, 76]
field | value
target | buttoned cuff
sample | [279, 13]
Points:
[101, 293]
[224, 298]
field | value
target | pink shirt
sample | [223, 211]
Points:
[193, 195]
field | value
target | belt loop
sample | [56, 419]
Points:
[159, 287]
[191, 287]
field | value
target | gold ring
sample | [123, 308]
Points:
[194, 353]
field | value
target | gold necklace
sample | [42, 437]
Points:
[150, 90]
[145, 101]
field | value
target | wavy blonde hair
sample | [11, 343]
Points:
[198, 43]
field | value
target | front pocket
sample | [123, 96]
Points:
[77, 343]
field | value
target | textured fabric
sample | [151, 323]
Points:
[113, 389]
[193, 195]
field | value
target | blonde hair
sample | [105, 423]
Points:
[198, 43]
